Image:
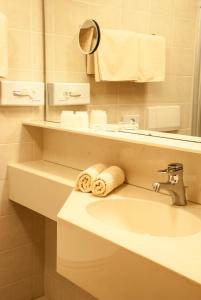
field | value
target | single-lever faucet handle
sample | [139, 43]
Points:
[172, 168]
[175, 167]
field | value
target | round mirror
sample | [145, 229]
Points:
[89, 36]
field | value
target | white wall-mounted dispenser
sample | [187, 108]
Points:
[164, 118]
[22, 93]
[60, 93]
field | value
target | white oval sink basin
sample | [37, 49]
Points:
[145, 217]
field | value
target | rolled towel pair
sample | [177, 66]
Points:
[100, 180]
[107, 181]
[85, 178]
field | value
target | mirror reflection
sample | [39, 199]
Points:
[171, 105]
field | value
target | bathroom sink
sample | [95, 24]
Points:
[145, 217]
[133, 242]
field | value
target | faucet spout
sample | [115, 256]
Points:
[175, 185]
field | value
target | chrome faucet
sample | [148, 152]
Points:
[174, 185]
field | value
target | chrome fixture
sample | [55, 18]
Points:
[174, 184]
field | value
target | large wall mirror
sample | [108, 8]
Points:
[177, 20]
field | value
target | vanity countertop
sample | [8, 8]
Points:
[180, 254]
[41, 186]
[47, 189]
[45, 169]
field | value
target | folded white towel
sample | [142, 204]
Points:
[152, 58]
[3, 46]
[85, 178]
[107, 181]
[124, 55]
[116, 58]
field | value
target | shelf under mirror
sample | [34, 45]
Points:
[149, 138]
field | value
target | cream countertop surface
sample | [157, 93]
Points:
[181, 254]
[51, 171]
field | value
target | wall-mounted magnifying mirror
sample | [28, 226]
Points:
[89, 36]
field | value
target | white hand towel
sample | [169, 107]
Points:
[3, 46]
[107, 181]
[116, 58]
[152, 58]
[85, 178]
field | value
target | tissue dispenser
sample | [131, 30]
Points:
[164, 118]
[61, 94]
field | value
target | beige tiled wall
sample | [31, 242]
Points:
[21, 231]
[174, 19]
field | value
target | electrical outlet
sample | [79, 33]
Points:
[131, 119]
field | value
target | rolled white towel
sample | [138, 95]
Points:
[85, 178]
[107, 181]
